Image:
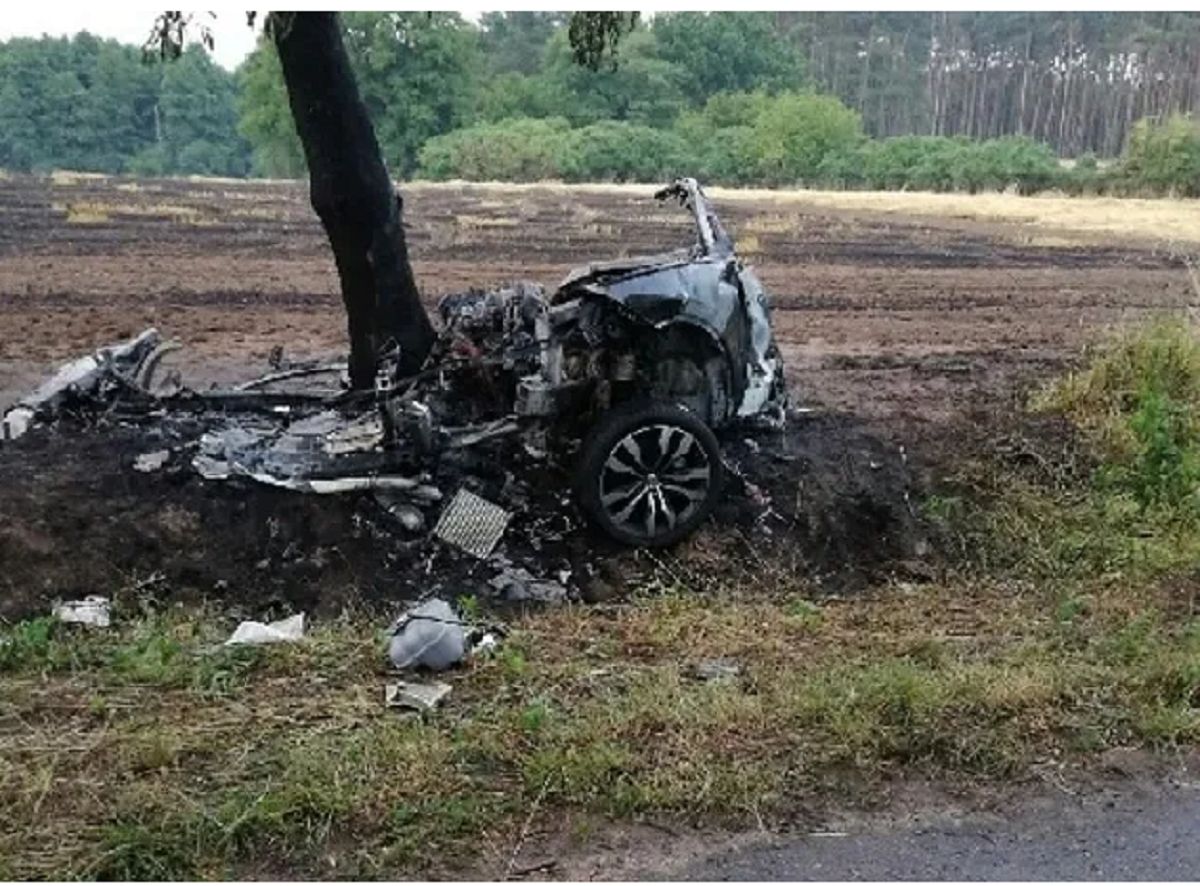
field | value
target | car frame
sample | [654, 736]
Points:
[628, 368]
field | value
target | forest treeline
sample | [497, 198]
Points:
[941, 101]
[92, 105]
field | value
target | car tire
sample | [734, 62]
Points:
[649, 473]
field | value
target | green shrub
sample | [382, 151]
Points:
[938, 163]
[755, 138]
[154, 160]
[624, 152]
[1013, 161]
[792, 134]
[1139, 397]
[716, 139]
[1085, 176]
[520, 149]
[916, 162]
[746, 138]
[1164, 157]
[1165, 469]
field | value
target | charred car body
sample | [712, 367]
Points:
[626, 369]
[622, 374]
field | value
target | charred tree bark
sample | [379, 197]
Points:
[352, 194]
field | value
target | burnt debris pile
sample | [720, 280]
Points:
[267, 499]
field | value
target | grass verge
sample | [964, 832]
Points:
[145, 752]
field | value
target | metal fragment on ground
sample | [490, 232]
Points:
[93, 610]
[517, 584]
[351, 484]
[472, 523]
[293, 372]
[211, 468]
[423, 697]
[83, 375]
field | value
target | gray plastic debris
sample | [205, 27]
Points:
[516, 584]
[91, 610]
[428, 635]
[472, 523]
[210, 468]
[255, 633]
[151, 461]
[423, 697]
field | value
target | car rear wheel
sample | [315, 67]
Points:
[649, 473]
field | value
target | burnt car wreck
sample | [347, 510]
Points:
[625, 370]
[620, 377]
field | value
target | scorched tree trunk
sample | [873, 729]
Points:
[352, 194]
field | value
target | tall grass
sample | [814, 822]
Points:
[1138, 399]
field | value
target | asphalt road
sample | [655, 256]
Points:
[1114, 835]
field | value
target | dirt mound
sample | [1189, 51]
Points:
[833, 494]
[824, 498]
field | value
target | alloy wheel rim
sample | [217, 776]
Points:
[654, 479]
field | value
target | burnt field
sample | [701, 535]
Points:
[912, 318]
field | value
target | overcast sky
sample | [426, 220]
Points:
[233, 38]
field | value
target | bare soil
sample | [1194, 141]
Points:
[899, 331]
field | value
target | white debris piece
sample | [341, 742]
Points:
[428, 635]
[151, 461]
[351, 484]
[210, 468]
[410, 518]
[92, 610]
[16, 422]
[359, 484]
[717, 670]
[486, 644]
[423, 697]
[255, 633]
[81, 374]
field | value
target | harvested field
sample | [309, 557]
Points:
[910, 317]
